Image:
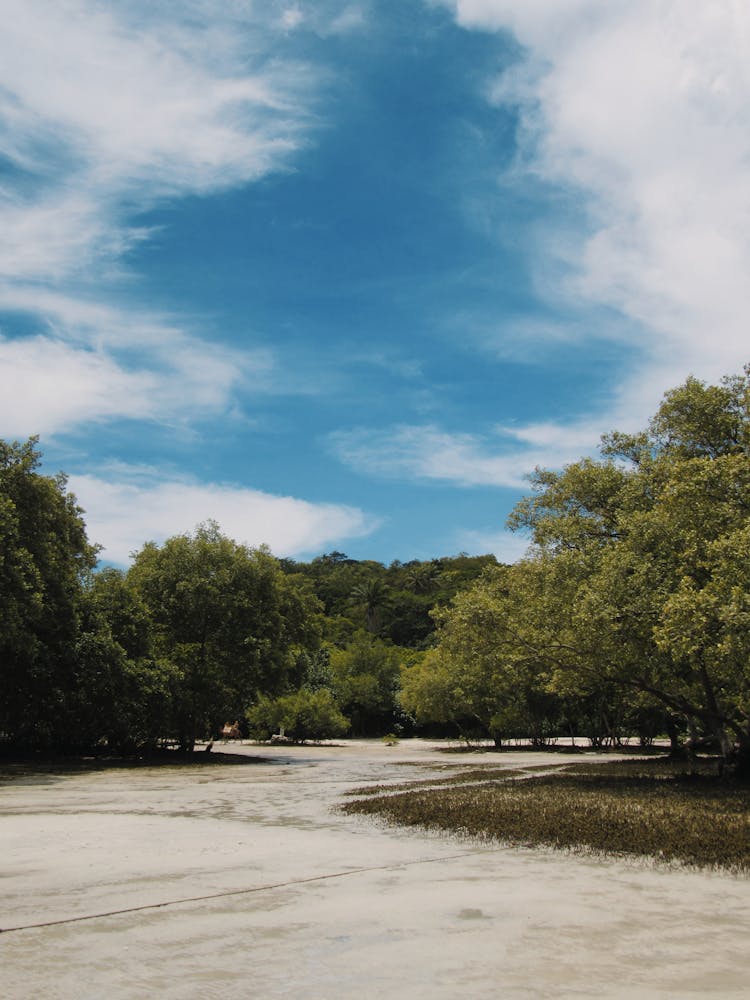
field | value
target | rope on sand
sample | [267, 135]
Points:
[232, 892]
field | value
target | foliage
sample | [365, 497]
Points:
[129, 694]
[431, 690]
[393, 602]
[665, 606]
[365, 678]
[198, 629]
[316, 669]
[638, 585]
[486, 671]
[630, 615]
[226, 619]
[44, 558]
[371, 595]
[301, 715]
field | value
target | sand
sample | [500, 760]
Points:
[243, 880]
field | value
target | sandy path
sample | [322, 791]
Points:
[330, 906]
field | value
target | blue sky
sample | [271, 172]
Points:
[338, 274]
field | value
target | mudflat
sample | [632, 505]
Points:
[243, 879]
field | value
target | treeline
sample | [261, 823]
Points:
[629, 616]
[394, 603]
[199, 631]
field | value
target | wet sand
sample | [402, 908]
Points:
[244, 880]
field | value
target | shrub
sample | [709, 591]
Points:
[302, 715]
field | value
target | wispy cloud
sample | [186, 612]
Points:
[503, 457]
[94, 362]
[104, 110]
[403, 367]
[325, 18]
[506, 546]
[181, 104]
[50, 386]
[642, 112]
[352, 17]
[134, 505]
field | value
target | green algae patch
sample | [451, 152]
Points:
[475, 775]
[648, 808]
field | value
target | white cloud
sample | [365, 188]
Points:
[503, 458]
[644, 108]
[54, 386]
[557, 443]
[292, 18]
[61, 235]
[135, 506]
[505, 545]
[165, 101]
[97, 363]
[325, 18]
[396, 364]
[351, 18]
[104, 109]
[50, 386]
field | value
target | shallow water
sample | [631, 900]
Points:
[188, 881]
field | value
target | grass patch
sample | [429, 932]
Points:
[647, 808]
[472, 776]
[653, 767]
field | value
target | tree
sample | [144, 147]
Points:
[634, 604]
[301, 715]
[490, 670]
[128, 700]
[365, 683]
[394, 602]
[422, 578]
[407, 621]
[657, 531]
[44, 558]
[433, 690]
[229, 622]
[372, 595]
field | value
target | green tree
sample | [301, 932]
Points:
[656, 533]
[365, 682]
[227, 620]
[127, 701]
[421, 577]
[634, 603]
[300, 715]
[372, 596]
[435, 690]
[408, 620]
[490, 672]
[394, 602]
[44, 558]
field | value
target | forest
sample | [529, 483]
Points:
[628, 618]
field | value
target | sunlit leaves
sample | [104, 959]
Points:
[639, 579]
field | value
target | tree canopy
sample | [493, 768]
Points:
[630, 614]
[226, 618]
[44, 558]
[637, 588]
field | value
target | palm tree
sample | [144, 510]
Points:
[372, 594]
[422, 578]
